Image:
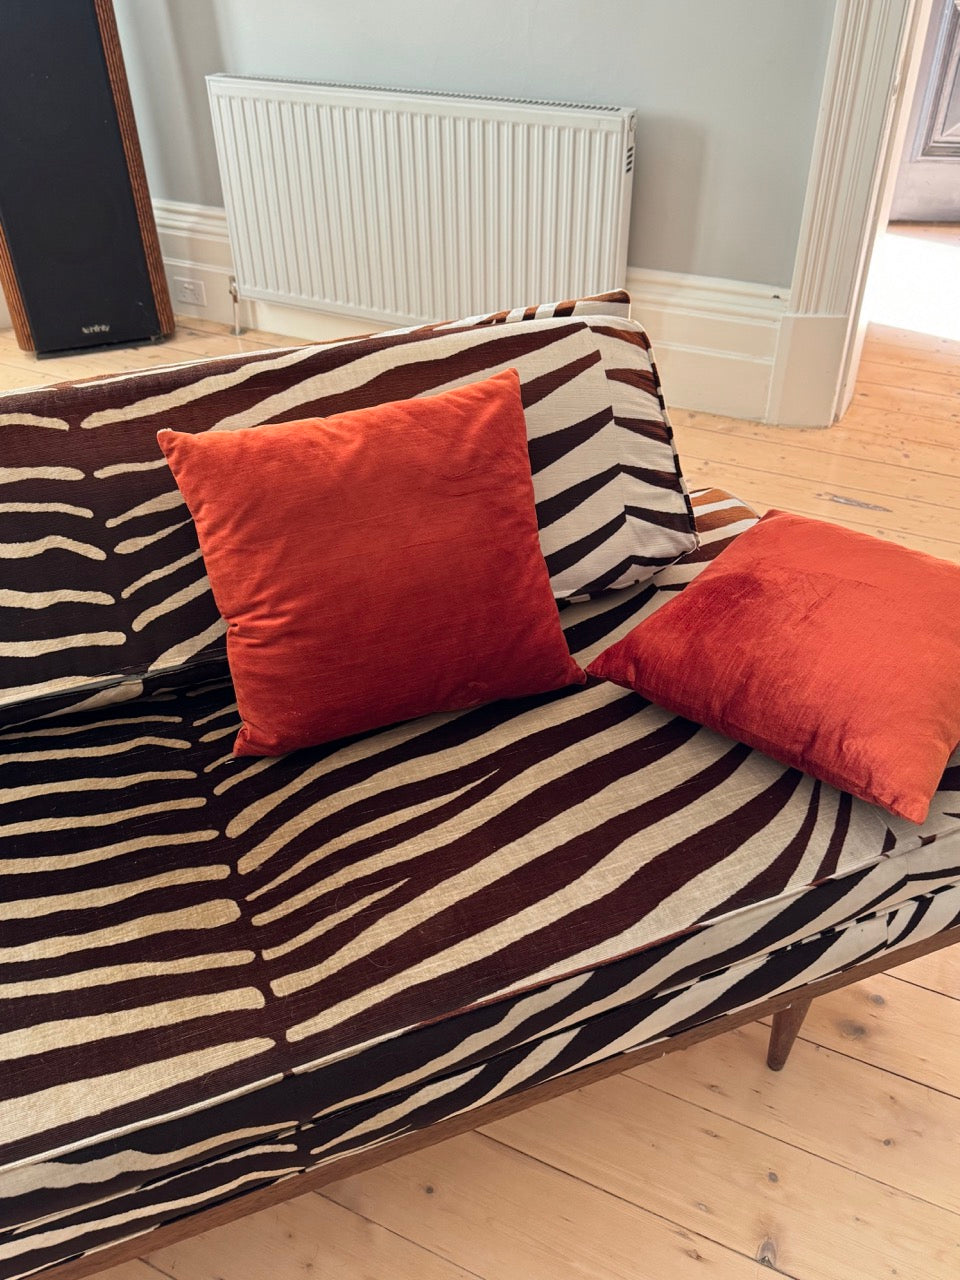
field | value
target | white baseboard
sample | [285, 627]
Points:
[803, 390]
[716, 341]
[196, 244]
[313, 326]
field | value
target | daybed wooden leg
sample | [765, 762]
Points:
[786, 1024]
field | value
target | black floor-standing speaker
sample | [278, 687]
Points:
[80, 262]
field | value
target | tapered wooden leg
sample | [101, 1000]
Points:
[786, 1024]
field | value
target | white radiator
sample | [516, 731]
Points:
[404, 207]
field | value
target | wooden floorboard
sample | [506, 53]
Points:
[892, 1025]
[740, 1187]
[310, 1238]
[897, 1131]
[939, 972]
[845, 1165]
[510, 1216]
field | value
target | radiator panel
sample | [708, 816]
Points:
[402, 207]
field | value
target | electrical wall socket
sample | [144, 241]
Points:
[189, 291]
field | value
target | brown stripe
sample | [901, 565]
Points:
[545, 450]
[643, 379]
[537, 389]
[650, 428]
[636, 337]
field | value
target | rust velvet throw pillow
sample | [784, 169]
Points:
[376, 565]
[832, 651]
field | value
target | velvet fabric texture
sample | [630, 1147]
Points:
[376, 565]
[832, 651]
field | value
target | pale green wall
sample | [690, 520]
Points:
[727, 92]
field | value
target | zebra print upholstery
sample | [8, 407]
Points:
[217, 973]
[124, 591]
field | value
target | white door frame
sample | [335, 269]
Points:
[871, 72]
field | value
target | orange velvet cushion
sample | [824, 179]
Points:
[832, 651]
[376, 565]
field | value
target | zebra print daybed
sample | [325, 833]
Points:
[224, 980]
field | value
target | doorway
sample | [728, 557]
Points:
[916, 262]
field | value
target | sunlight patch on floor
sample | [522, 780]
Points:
[914, 279]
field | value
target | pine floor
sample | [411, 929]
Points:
[846, 1166]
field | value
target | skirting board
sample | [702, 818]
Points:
[715, 340]
[718, 342]
[196, 246]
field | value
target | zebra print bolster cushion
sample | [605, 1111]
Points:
[101, 580]
[832, 651]
[375, 566]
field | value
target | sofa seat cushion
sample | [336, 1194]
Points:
[215, 972]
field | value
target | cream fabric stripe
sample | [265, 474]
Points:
[472, 1046]
[692, 901]
[175, 399]
[122, 468]
[431, 1092]
[169, 1178]
[163, 571]
[34, 648]
[183, 652]
[745, 920]
[14, 795]
[96, 753]
[44, 599]
[128, 972]
[572, 346]
[354, 753]
[172, 1208]
[326, 923]
[513, 788]
[23, 692]
[130, 545]
[214, 735]
[228, 710]
[244, 768]
[428, 766]
[539, 1057]
[118, 1088]
[61, 731]
[167, 605]
[162, 502]
[52, 1175]
[200, 916]
[61, 508]
[394, 819]
[69, 1033]
[364, 369]
[52, 542]
[125, 691]
[12, 475]
[90, 899]
[33, 420]
[598, 880]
